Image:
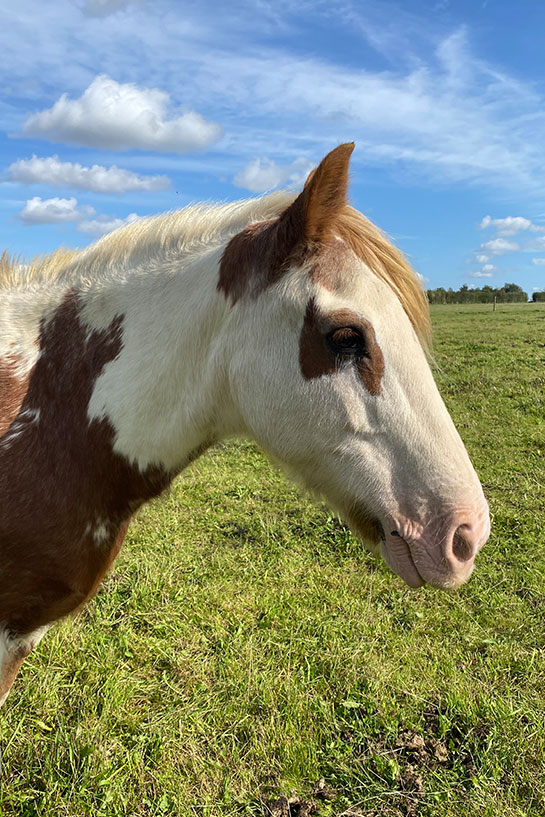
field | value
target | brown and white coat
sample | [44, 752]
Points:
[289, 319]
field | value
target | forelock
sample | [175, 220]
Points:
[390, 265]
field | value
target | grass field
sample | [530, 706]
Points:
[245, 647]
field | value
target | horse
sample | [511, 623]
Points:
[290, 319]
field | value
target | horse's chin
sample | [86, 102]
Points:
[397, 555]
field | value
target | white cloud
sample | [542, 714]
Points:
[480, 274]
[104, 224]
[486, 271]
[263, 174]
[53, 211]
[507, 227]
[536, 245]
[99, 179]
[537, 289]
[538, 262]
[59, 211]
[120, 116]
[499, 246]
[510, 225]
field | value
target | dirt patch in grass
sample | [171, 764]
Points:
[411, 755]
[295, 806]
[422, 750]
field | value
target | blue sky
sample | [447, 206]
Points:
[113, 109]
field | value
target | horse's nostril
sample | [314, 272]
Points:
[462, 547]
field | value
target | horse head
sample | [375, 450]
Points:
[329, 367]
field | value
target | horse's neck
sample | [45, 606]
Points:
[165, 393]
[117, 382]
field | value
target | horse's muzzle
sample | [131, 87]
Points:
[441, 553]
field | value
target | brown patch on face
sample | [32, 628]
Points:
[318, 357]
[257, 257]
[248, 265]
[329, 265]
[60, 480]
[12, 392]
[315, 358]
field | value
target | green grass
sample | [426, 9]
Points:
[245, 646]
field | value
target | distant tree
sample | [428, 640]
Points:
[538, 296]
[512, 293]
[464, 293]
[508, 293]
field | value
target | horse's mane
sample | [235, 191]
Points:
[178, 233]
[18, 272]
[198, 227]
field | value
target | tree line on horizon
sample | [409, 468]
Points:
[508, 293]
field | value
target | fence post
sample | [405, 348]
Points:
[494, 307]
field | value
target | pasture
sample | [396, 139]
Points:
[244, 646]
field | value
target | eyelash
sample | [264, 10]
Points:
[356, 345]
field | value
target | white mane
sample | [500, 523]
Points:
[180, 233]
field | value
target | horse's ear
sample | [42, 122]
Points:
[324, 194]
[257, 257]
[310, 176]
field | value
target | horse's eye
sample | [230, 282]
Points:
[348, 341]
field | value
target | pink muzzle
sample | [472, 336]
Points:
[442, 552]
